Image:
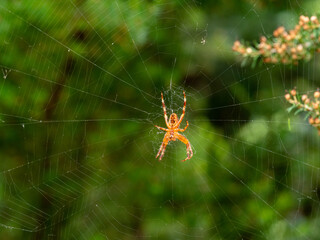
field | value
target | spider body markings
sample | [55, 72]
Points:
[172, 130]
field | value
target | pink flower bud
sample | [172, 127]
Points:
[304, 97]
[287, 96]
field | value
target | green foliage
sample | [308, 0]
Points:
[80, 95]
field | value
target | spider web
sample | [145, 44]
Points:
[80, 96]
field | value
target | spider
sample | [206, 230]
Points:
[172, 132]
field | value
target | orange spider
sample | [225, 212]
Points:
[172, 133]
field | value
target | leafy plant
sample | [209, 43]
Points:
[286, 47]
[304, 103]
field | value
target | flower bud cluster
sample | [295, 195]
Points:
[285, 47]
[307, 104]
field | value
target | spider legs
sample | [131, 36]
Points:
[189, 152]
[184, 108]
[178, 136]
[164, 110]
[161, 150]
[182, 130]
[161, 128]
[163, 147]
[187, 143]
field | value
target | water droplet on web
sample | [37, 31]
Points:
[22, 125]
[69, 50]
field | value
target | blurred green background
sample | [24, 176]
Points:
[79, 97]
